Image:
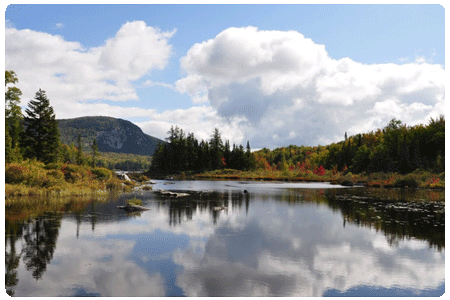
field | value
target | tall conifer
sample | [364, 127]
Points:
[41, 135]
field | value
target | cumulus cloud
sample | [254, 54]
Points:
[273, 88]
[289, 90]
[200, 120]
[72, 74]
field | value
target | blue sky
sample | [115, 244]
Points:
[339, 68]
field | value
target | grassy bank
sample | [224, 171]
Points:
[34, 178]
[417, 179]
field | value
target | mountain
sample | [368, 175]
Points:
[113, 135]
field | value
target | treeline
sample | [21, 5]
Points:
[35, 135]
[185, 153]
[397, 148]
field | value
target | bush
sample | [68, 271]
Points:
[407, 181]
[52, 182]
[73, 177]
[57, 174]
[113, 184]
[139, 177]
[101, 173]
[16, 173]
[346, 183]
[53, 166]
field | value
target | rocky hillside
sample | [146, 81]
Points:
[113, 135]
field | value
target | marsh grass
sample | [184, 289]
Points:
[33, 178]
[134, 201]
[417, 179]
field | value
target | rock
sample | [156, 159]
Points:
[132, 207]
[171, 194]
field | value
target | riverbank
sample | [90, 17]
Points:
[34, 178]
[417, 179]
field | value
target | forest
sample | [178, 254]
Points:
[396, 148]
[183, 152]
[396, 155]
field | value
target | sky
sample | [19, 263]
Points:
[273, 75]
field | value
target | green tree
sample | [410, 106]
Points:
[80, 155]
[94, 148]
[41, 136]
[8, 147]
[361, 160]
[216, 148]
[13, 117]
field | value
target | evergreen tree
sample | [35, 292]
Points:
[216, 148]
[80, 155]
[249, 158]
[94, 152]
[227, 153]
[41, 135]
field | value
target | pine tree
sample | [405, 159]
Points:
[216, 148]
[249, 158]
[41, 135]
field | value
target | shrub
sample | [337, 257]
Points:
[53, 166]
[113, 184]
[53, 182]
[57, 174]
[407, 181]
[16, 173]
[101, 173]
[73, 177]
[346, 183]
[139, 177]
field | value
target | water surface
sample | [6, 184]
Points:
[273, 239]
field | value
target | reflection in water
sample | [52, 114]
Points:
[268, 242]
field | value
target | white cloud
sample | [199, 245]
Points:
[273, 88]
[156, 83]
[59, 25]
[200, 120]
[281, 81]
[72, 74]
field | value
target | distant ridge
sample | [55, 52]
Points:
[112, 134]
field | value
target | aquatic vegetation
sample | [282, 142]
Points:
[134, 201]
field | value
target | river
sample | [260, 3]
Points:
[267, 239]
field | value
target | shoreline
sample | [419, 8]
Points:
[418, 179]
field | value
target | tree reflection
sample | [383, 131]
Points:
[398, 219]
[13, 232]
[40, 237]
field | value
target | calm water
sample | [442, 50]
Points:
[278, 239]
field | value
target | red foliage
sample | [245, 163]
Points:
[319, 171]
[223, 161]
